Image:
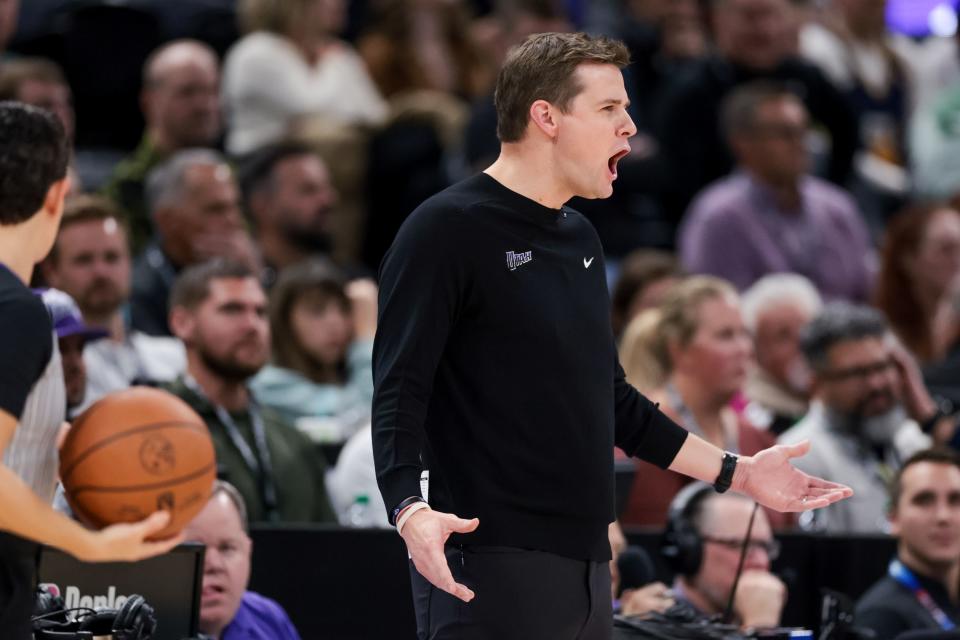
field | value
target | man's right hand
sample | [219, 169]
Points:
[425, 534]
[127, 542]
[760, 599]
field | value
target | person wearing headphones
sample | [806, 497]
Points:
[702, 543]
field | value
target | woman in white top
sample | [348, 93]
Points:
[291, 65]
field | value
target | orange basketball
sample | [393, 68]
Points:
[134, 452]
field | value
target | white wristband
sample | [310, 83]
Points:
[409, 511]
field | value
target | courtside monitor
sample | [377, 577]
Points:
[170, 583]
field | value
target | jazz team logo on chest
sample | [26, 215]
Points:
[516, 259]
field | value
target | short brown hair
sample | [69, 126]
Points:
[542, 68]
[934, 455]
[86, 208]
[193, 284]
[14, 73]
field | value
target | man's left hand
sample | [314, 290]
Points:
[770, 479]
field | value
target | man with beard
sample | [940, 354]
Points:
[91, 261]
[288, 192]
[219, 310]
[195, 204]
[870, 411]
[919, 591]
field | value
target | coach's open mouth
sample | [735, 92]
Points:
[613, 160]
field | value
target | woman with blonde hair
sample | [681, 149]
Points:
[697, 340]
[292, 65]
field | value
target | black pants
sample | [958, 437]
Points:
[520, 594]
[18, 568]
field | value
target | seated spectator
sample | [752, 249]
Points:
[291, 201]
[41, 83]
[771, 215]
[869, 413]
[290, 65]
[704, 348]
[943, 376]
[180, 100]
[855, 50]
[355, 475]
[775, 310]
[919, 263]
[755, 40]
[72, 334]
[228, 611]
[90, 260]
[322, 332]
[195, 204]
[219, 310]
[920, 589]
[423, 45]
[702, 543]
[645, 277]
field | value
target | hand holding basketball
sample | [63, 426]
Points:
[128, 542]
[131, 454]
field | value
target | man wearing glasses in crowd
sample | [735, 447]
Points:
[703, 543]
[871, 411]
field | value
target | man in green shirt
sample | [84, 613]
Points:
[218, 309]
[181, 107]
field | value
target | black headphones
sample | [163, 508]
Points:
[135, 620]
[682, 545]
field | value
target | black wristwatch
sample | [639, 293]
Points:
[725, 477]
[406, 502]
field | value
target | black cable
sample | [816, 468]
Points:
[87, 612]
[743, 556]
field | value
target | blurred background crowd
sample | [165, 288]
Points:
[782, 244]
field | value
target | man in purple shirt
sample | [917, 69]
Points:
[771, 215]
[227, 610]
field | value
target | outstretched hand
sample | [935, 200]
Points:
[769, 478]
[425, 534]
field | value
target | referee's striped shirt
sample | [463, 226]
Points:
[32, 453]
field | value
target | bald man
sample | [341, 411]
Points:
[181, 106]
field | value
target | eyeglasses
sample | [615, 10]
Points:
[770, 547]
[862, 372]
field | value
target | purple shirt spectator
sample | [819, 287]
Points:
[735, 230]
[260, 618]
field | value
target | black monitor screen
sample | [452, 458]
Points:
[170, 583]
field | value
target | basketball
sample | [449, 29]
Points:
[134, 452]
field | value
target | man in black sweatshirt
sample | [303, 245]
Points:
[495, 369]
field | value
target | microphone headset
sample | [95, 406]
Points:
[135, 620]
[682, 543]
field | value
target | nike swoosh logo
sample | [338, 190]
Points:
[587, 263]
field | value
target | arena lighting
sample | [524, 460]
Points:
[943, 21]
[919, 18]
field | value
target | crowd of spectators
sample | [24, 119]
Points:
[783, 240]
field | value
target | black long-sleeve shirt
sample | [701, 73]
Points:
[495, 360]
